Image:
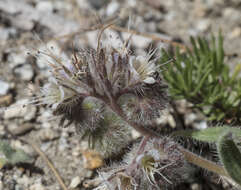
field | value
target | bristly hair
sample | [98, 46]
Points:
[105, 73]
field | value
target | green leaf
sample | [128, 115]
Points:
[13, 156]
[230, 156]
[200, 76]
[195, 48]
[237, 70]
[220, 51]
[20, 156]
[3, 162]
[200, 84]
[210, 135]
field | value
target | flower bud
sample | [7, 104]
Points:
[110, 136]
[92, 111]
[140, 110]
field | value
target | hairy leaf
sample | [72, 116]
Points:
[12, 156]
[230, 156]
[210, 135]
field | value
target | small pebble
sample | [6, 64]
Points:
[63, 144]
[25, 72]
[203, 25]
[6, 100]
[48, 135]
[77, 151]
[190, 118]
[18, 111]
[112, 8]
[44, 6]
[25, 147]
[2, 130]
[24, 180]
[75, 182]
[1, 185]
[171, 121]
[37, 186]
[135, 134]
[16, 59]
[138, 41]
[236, 32]
[4, 87]
[20, 129]
[200, 125]
[97, 4]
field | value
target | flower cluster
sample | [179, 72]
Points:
[101, 82]
[161, 164]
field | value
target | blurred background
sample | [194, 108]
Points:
[67, 25]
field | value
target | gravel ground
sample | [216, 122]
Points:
[29, 25]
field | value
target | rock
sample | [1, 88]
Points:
[151, 27]
[2, 130]
[135, 134]
[166, 118]
[190, 118]
[22, 23]
[63, 144]
[236, 32]
[4, 34]
[112, 8]
[37, 186]
[200, 125]
[18, 110]
[75, 182]
[56, 23]
[77, 150]
[4, 87]
[97, 4]
[154, 3]
[232, 14]
[140, 42]
[16, 59]
[48, 135]
[196, 186]
[7, 33]
[203, 25]
[20, 129]
[25, 147]
[6, 100]
[45, 146]
[24, 180]
[171, 121]
[62, 5]
[18, 187]
[46, 125]
[25, 72]
[44, 6]
[44, 117]
[92, 38]
[1, 185]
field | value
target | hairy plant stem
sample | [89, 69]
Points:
[141, 129]
[148, 133]
[204, 163]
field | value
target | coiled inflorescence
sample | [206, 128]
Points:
[105, 80]
[159, 166]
